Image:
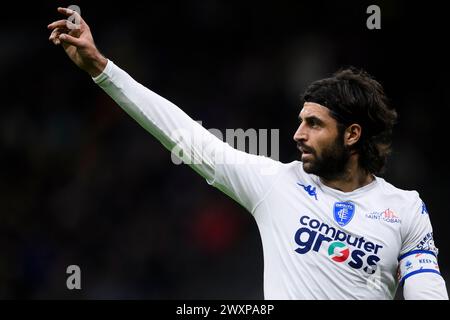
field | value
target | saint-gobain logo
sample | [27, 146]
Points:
[343, 212]
[387, 215]
[338, 251]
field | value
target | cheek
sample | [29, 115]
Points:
[322, 144]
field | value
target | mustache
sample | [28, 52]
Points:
[304, 148]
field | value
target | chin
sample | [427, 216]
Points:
[308, 167]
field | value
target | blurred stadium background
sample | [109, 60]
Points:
[81, 183]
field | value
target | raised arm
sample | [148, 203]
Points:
[242, 176]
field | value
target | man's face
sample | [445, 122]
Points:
[321, 144]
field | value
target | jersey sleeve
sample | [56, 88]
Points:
[246, 178]
[418, 260]
[242, 176]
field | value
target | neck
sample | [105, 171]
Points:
[352, 178]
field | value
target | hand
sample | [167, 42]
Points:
[77, 41]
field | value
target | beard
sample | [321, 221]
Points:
[332, 161]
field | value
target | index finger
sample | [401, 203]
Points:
[71, 13]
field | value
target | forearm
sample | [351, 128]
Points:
[164, 120]
[244, 177]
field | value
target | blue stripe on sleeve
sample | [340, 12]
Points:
[419, 271]
[415, 252]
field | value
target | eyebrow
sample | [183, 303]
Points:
[312, 119]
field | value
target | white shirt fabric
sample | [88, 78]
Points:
[318, 242]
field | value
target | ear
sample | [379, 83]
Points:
[352, 134]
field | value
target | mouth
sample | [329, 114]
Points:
[305, 152]
[304, 149]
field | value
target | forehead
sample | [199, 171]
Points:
[311, 109]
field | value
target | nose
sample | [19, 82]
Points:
[300, 134]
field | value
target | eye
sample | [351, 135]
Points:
[312, 123]
[316, 123]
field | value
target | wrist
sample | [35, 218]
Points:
[97, 66]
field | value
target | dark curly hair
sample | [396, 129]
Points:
[353, 96]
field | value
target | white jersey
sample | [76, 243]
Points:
[318, 242]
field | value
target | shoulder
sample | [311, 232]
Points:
[296, 167]
[289, 172]
[295, 170]
[408, 202]
[407, 197]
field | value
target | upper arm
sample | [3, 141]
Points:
[418, 260]
[245, 177]
[425, 286]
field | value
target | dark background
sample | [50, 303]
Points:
[82, 183]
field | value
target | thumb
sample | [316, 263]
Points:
[68, 39]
